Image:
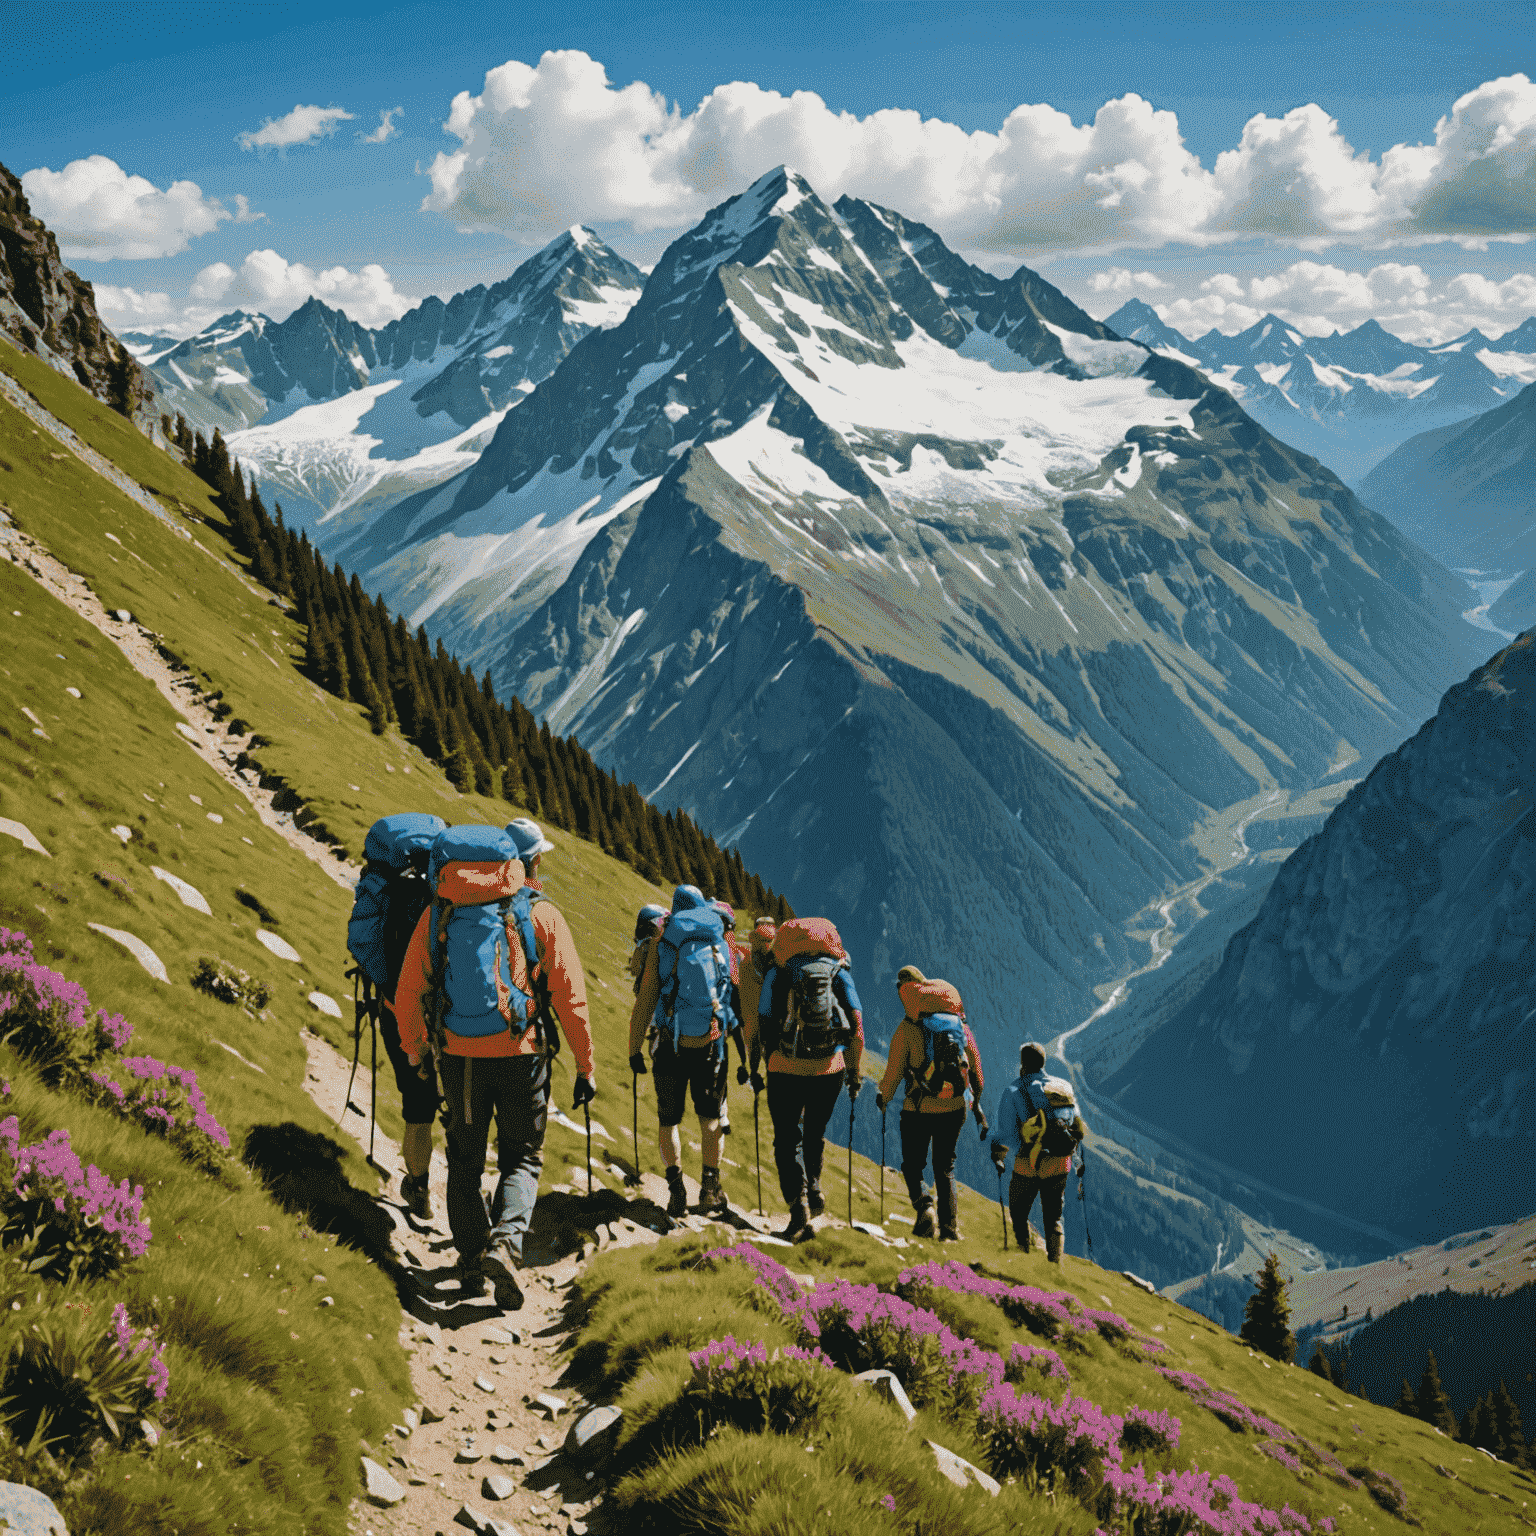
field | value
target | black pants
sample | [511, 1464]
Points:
[800, 1108]
[515, 1089]
[1053, 1198]
[942, 1132]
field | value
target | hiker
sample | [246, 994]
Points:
[684, 1004]
[739, 955]
[490, 970]
[810, 1027]
[755, 964]
[1037, 1120]
[391, 896]
[934, 1052]
[649, 922]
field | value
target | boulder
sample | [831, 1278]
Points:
[592, 1437]
[960, 1472]
[25, 1511]
[1146, 1285]
[497, 1485]
[25, 836]
[278, 946]
[326, 1005]
[887, 1386]
[383, 1490]
[135, 947]
[552, 1405]
[190, 895]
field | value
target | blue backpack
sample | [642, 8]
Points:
[471, 989]
[390, 898]
[1056, 1118]
[944, 1072]
[695, 972]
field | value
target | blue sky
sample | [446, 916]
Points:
[1326, 216]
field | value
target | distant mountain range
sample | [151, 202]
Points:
[1382, 997]
[1467, 492]
[1349, 398]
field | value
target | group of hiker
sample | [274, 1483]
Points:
[472, 977]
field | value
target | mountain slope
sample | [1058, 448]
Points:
[958, 613]
[1381, 998]
[1467, 492]
[1351, 397]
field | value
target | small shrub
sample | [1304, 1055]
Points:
[738, 1384]
[1031, 1436]
[1386, 1490]
[114, 884]
[1173, 1503]
[230, 984]
[48, 1018]
[166, 1101]
[76, 1220]
[1146, 1430]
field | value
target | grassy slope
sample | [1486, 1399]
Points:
[644, 1310]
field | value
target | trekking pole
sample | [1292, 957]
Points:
[373, 1082]
[1002, 1209]
[1082, 1170]
[360, 1004]
[882, 1167]
[634, 1086]
[757, 1149]
[852, 1102]
[586, 1110]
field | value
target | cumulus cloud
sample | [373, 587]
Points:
[1318, 298]
[276, 286]
[304, 125]
[98, 211]
[545, 146]
[386, 129]
[128, 309]
[244, 214]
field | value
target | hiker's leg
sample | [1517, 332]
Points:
[418, 1097]
[671, 1079]
[786, 1104]
[915, 1133]
[706, 1080]
[416, 1148]
[820, 1100]
[946, 1138]
[466, 1159]
[522, 1113]
[1021, 1197]
[1053, 1197]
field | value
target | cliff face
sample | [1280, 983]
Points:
[1369, 1033]
[47, 309]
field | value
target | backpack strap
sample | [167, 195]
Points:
[435, 1002]
[517, 913]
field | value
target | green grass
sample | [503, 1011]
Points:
[642, 1310]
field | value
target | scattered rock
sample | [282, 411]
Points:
[383, 1490]
[23, 835]
[327, 1301]
[1146, 1285]
[497, 1486]
[591, 1438]
[494, 1526]
[887, 1386]
[497, 1336]
[323, 1004]
[279, 947]
[402, 1430]
[150, 1431]
[122, 616]
[123, 834]
[430, 1415]
[190, 895]
[215, 818]
[187, 732]
[467, 1453]
[135, 947]
[410, 1418]
[74, 693]
[484, 1385]
[25, 1511]
[960, 1472]
[507, 1456]
[552, 1405]
[870, 1228]
[470, 1516]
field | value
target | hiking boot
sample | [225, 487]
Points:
[814, 1200]
[799, 1226]
[677, 1195]
[413, 1190]
[922, 1225]
[471, 1277]
[500, 1265]
[950, 1234]
[711, 1196]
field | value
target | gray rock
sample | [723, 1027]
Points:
[150, 1431]
[960, 1472]
[27, 1512]
[592, 1437]
[383, 1490]
[552, 1405]
[497, 1527]
[497, 1486]
[1146, 1285]
[467, 1451]
[430, 1415]
[887, 1386]
[470, 1516]
[122, 615]
[484, 1385]
[507, 1456]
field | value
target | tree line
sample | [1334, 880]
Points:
[356, 651]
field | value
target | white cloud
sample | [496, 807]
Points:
[127, 309]
[304, 125]
[277, 287]
[98, 211]
[1319, 298]
[243, 212]
[386, 129]
[546, 146]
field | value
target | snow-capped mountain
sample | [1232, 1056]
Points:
[1467, 492]
[1382, 996]
[336, 419]
[1349, 398]
[956, 610]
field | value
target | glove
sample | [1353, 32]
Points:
[637, 1064]
[584, 1092]
[880, 1102]
[999, 1155]
[855, 1085]
[742, 1075]
[757, 1082]
[981, 1125]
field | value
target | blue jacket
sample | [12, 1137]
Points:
[1021, 1099]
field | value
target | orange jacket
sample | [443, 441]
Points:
[909, 1050]
[559, 965]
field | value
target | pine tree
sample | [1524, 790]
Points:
[1511, 1445]
[1319, 1365]
[1407, 1402]
[1433, 1401]
[1267, 1317]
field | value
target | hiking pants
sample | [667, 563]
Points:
[516, 1090]
[800, 1108]
[1053, 1198]
[942, 1131]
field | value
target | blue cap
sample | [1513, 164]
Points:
[529, 837]
[648, 921]
[686, 897]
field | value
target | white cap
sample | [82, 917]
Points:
[529, 837]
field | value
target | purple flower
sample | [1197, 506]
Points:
[1146, 1430]
[888, 1502]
